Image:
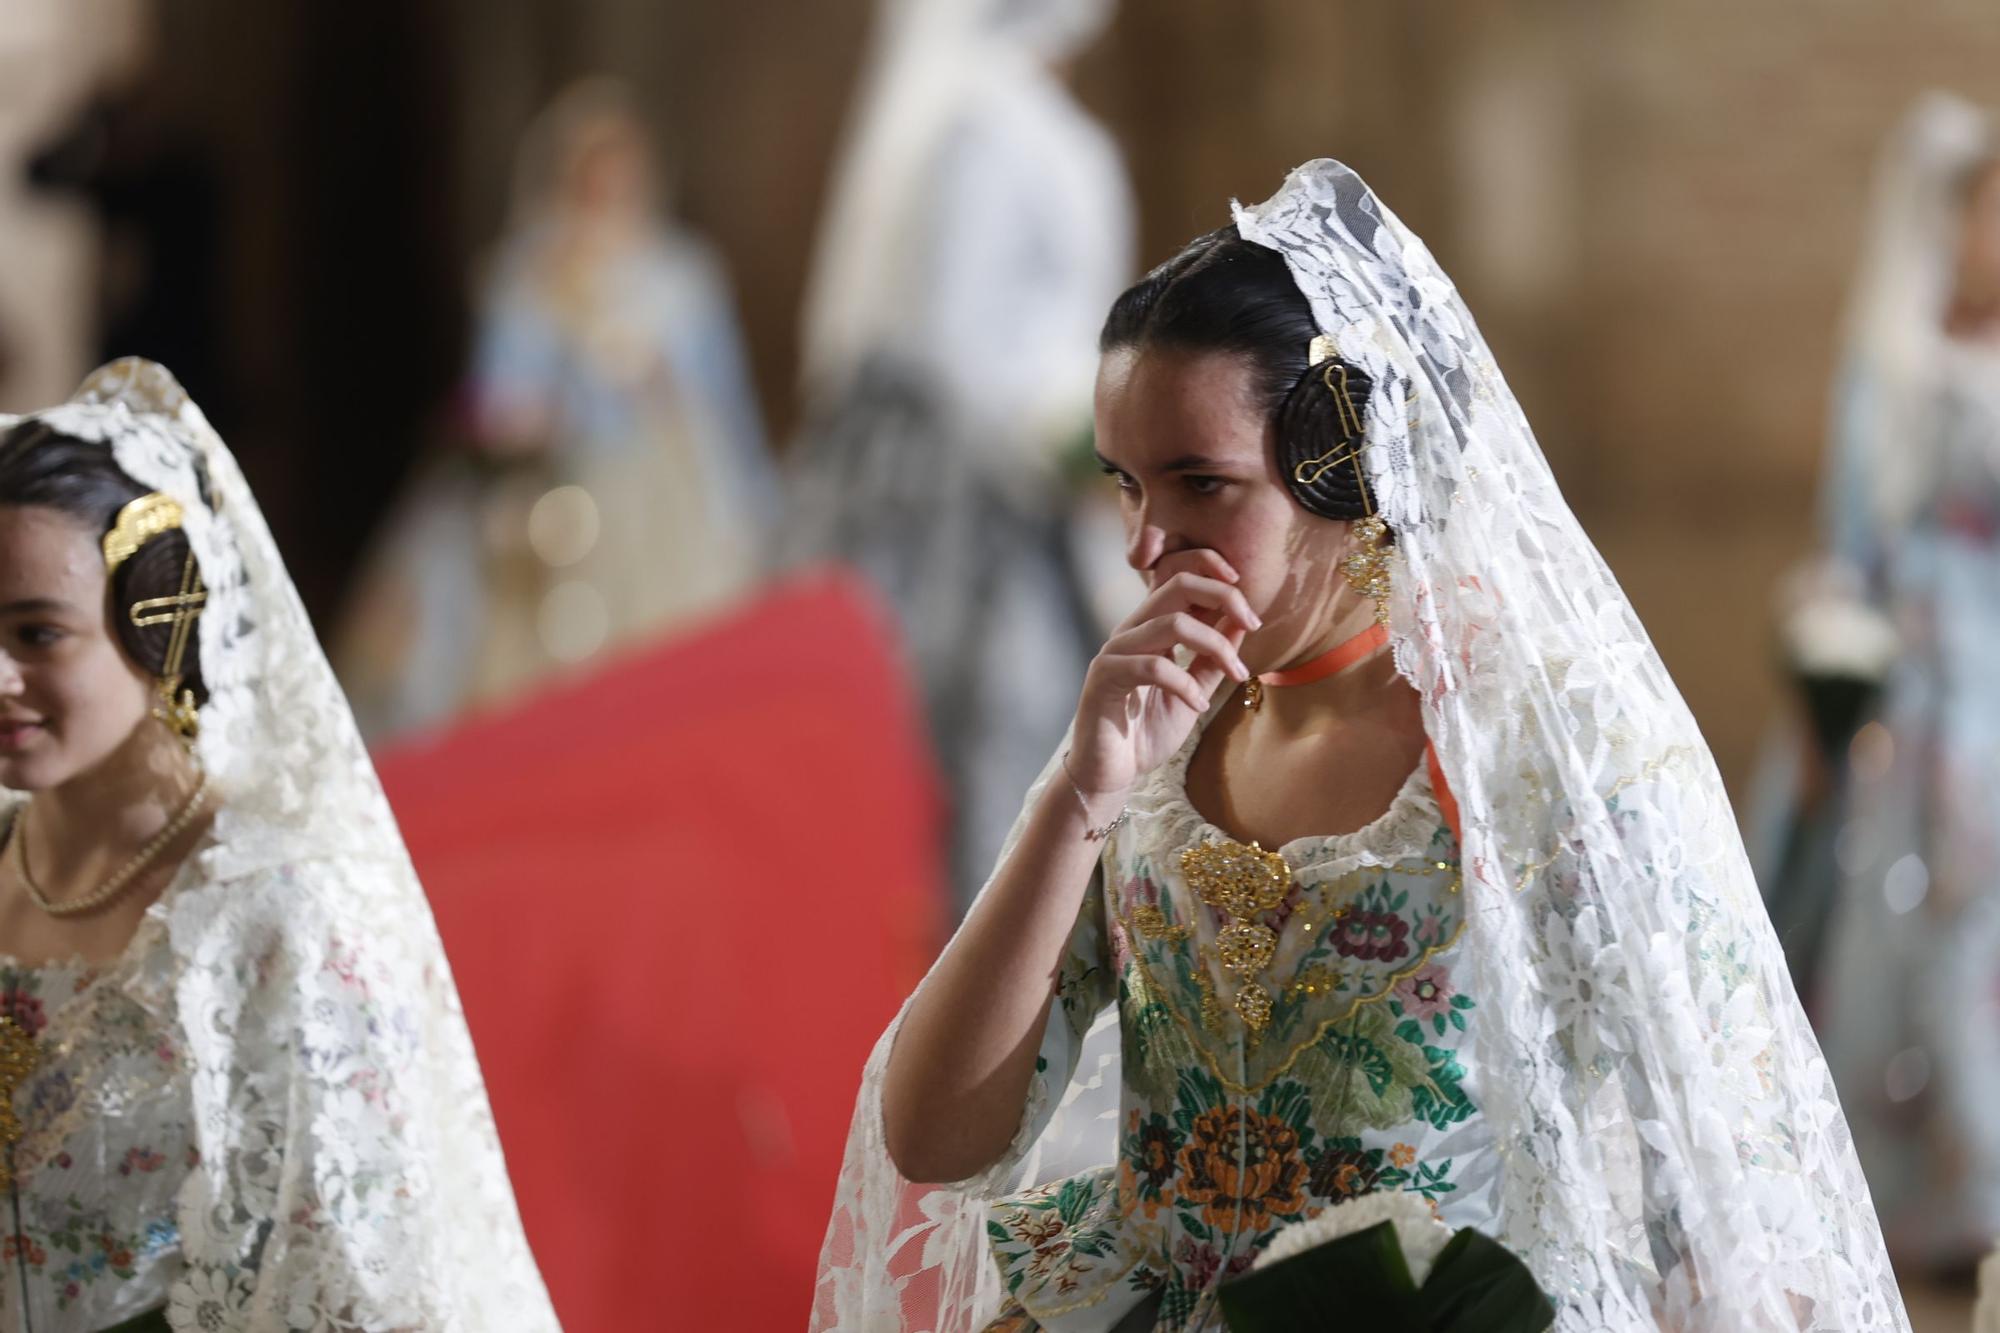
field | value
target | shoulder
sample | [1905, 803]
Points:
[295, 915]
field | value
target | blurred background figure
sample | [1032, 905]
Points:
[153, 194]
[54, 57]
[1911, 987]
[613, 477]
[977, 230]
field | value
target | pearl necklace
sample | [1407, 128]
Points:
[123, 878]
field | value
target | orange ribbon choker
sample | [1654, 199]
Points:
[1338, 658]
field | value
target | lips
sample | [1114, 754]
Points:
[16, 734]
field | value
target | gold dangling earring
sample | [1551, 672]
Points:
[1367, 570]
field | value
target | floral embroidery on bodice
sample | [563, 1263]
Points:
[108, 1140]
[1291, 1032]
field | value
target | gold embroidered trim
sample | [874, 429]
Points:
[1202, 981]
[1647, 772]
[18, 1058]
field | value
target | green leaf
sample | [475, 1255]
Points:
[1360, 1281]
[1458, 1020]
[1478, 1285]
[1437, 1023]
[1073, 1201]
[994, 1231]
[1461, 1002]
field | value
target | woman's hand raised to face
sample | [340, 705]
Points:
[1139, 703]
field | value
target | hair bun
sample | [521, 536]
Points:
[1321, 426]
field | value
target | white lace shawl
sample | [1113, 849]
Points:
[350, 1176]
[1674, 1155]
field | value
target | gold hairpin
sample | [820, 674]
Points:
[139, 522]
[1366, 569]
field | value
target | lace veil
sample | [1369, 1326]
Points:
[1673, 1152]
[350, 1175]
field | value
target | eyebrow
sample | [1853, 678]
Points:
[1185, 463]
[34, 606]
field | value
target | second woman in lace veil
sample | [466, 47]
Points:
[240, 1094]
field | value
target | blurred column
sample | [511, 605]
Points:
[53, 55]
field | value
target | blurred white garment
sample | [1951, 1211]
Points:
[980, 226]
[1910, 872]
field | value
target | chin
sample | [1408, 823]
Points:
[30, 772]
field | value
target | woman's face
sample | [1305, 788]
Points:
[1979, 240]
[69, 696]
[609, 172]
[1190, 447]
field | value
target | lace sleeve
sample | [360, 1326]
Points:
[1085, 987]
[349, 1173]
[900, 1255]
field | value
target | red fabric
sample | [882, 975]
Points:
[682, 898]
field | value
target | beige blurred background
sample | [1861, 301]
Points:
[1653, 209]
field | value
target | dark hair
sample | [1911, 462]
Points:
[1225, 294]
[41, 466]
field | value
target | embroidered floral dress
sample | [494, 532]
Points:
[1292, 1036]
[89, 1239]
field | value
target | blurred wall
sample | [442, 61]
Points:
[1652, 208]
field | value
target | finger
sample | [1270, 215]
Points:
[1139, 669]
[1182, 628]
[1208, 673]
[1192, 591]
[1206, 561]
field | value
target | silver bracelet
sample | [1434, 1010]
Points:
[1093, 834]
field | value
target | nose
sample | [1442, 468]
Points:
[1144, 542]
[10, 675]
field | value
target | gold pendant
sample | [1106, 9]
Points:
[18, 1057]
[1253, 694]
[1243, 882]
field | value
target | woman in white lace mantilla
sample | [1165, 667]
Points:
[1506, 954]
[240, 1093]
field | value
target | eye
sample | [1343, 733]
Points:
[38, 636]
[1203, 485]
[1125, 483]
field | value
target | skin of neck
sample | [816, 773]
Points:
[1365, 687]
[1371, 687]
[107, 812]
